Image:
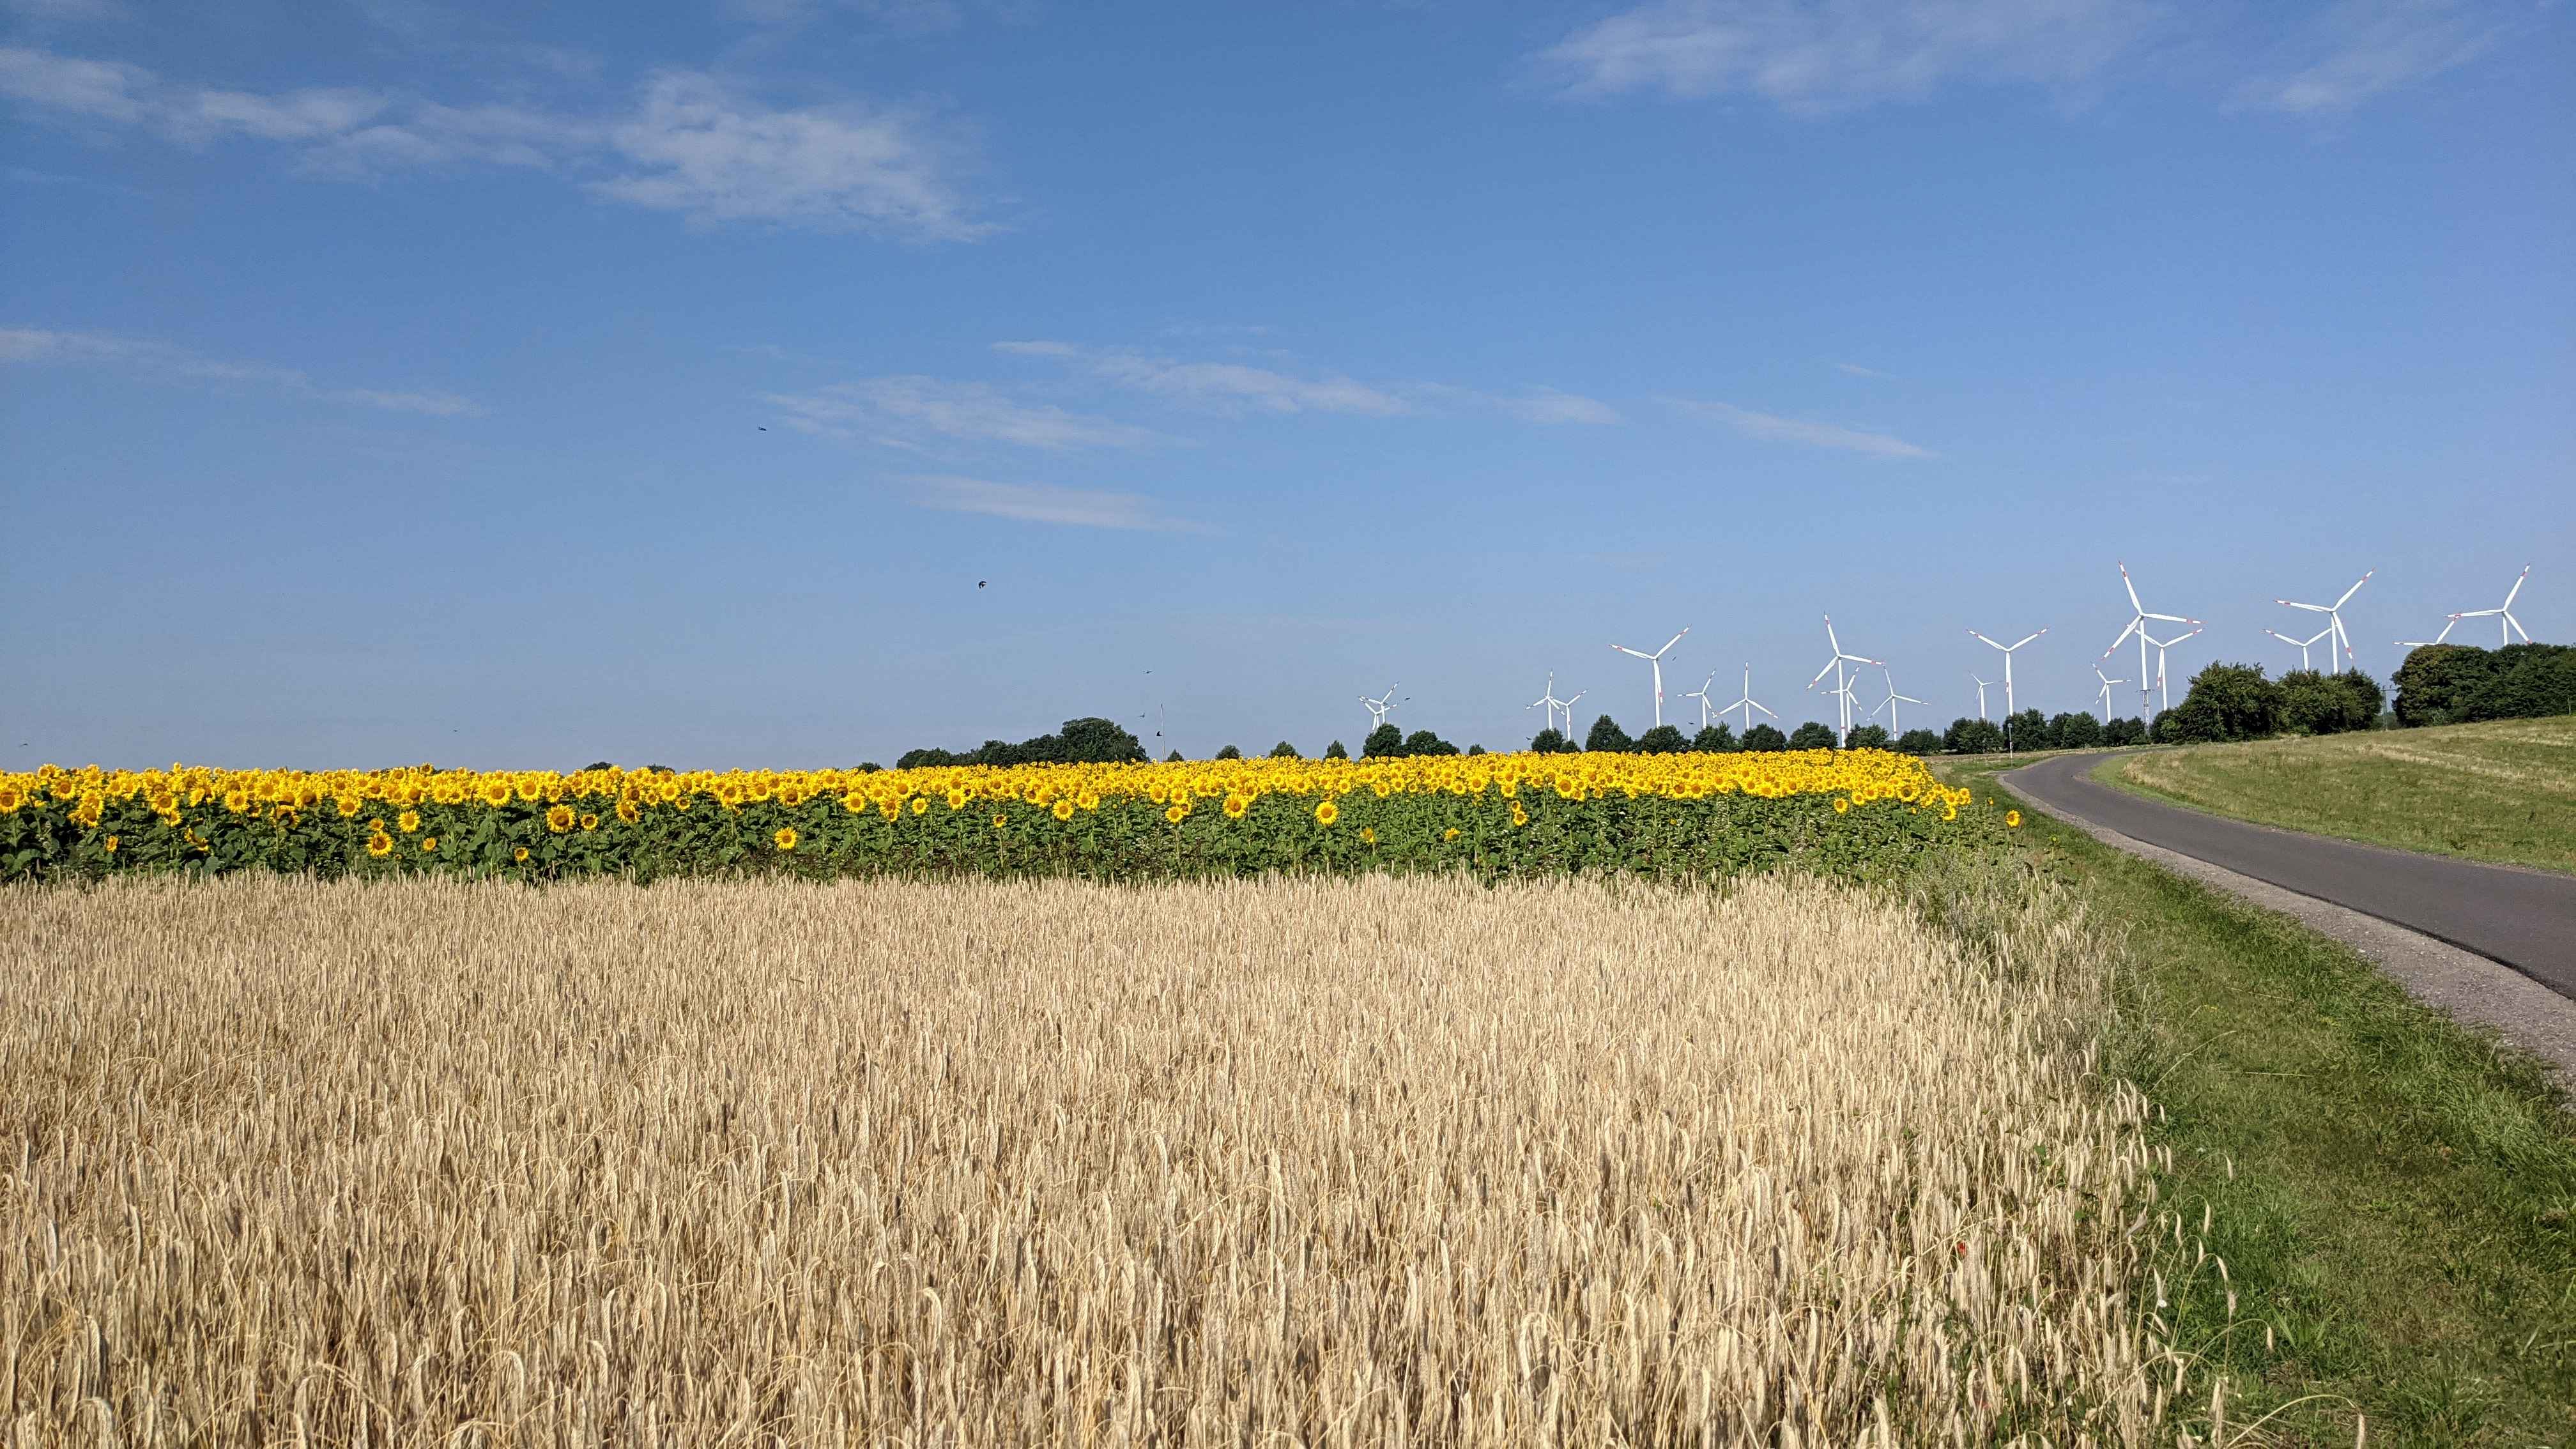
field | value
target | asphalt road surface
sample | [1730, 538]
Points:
[2523, 918]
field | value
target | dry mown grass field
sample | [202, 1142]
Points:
[1352, 1162]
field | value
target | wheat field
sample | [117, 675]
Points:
[1361, 1161]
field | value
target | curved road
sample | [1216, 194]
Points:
[2523, 918]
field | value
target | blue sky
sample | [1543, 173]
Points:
[398, 380]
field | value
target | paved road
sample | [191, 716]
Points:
[2523, 918]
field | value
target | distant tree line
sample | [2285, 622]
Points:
[2461, 683]
[1088, 741]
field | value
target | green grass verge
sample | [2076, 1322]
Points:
[2501, 791]
[2391, 1191]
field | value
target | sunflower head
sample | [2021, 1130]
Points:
[1368, 835]
[409, 821]
[380, 845]
[956, 798]
[1327, 812]
[1061, 810]
[428, 843]
[559, 819]
[1449, 834]
[785, 839]
[628, 810]
[590, 822]
[520, 855]
[2012, 819]
[920, 804]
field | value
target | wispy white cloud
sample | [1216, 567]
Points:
[1822, 55]
[1772, 427]
[1854, 369]
[887, 408]
[63, 12]
[2375, 46]
[1550, 407]
[1223, 385]
[36, 346]
[1046, 503]
[691, 143]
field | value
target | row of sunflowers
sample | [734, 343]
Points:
[1855, 812]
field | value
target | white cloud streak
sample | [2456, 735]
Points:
[691, 143]
[1046, 503]
[1773, 428]
[38, 346]
[1826, 55]
[1238, 387]
[969, 411]
[2373, 47]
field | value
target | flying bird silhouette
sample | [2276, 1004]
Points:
[979, 583]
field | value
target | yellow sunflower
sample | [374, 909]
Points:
[111, 845]
[496, 792]
[590, 822]
[1176, 814]
[1368, 835]
[956, 799]
[428, 843]
[520, 855]
[785, 839]
[559, 819]
[2012, 819]
[920, 804]
[409, 821]
[1327, 812]
[1450, 834]
[628, 810]
[1061, 809]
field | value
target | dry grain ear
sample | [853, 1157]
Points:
[1330, 1160]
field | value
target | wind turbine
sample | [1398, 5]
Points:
[1889, 703]
[2138, 626]
[1553, 704]
[2334, 620]
[1981, 693]
[1748, 704]
[1701, 694]
[2008, 688]
[2302, 643]
[1378, 708]
[2164, 690]
[1657, 660]
[2506, 624]
[2107, 682]
[1842, 678]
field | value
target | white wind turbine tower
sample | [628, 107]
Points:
[2107, 682]
[2506, 624]
[2008, 682]
[2164, 690]
[1553, 704]
[2334, 621]
[1378, 708]
[1701, 694]
[2138, 626]
[2302, 643]
[1889, 703]
[1657, 660]
[1748, 703]
[1981, 693]
[1842, 678]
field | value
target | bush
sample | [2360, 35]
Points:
[1716, 739]
[1607, 738]
[1811, 736]
[1551, 741]
[2226, 702]
[1868, 737]
[1919, 742]
[1662, 740]
[2324, 704]
[1765, 737]
[2075, 731]
[1967, 736]
[1284, 751]
[2028, 730]
[1383, 743]
[2128, 730]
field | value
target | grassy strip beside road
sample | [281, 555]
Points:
[2500, 791]
[2392, 1192]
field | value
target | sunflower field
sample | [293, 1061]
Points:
[1849, 813]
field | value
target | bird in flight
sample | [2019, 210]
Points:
[764, 430]
[979, 583]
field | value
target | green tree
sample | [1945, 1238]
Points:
[1551, 741]
[2027, 730]
[1173, 758]
[1919, 742]
[1424, 742]
[1765, 738]
[2127, 730]
[1716, 739]
[1968, 736]
[1475, 749]
[1229, 753]
[1867, 737]
[1284, 751]
[1811, 736]
[2369, 701]
[1334, 751]
[2530, 681]
[2226, 702]
[2075, 731]
[1383, 743]
[1607, 738]
[2435, 682]
[1662, 740]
